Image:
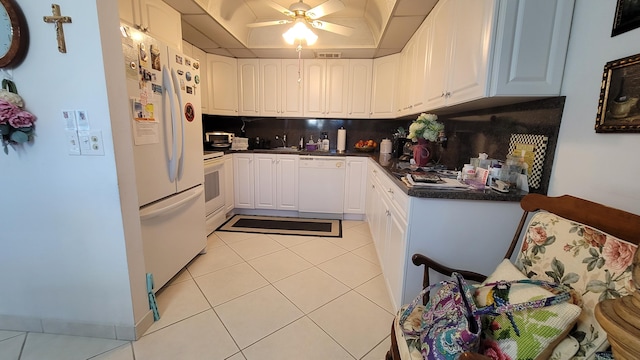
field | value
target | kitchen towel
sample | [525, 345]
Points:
[342, 140]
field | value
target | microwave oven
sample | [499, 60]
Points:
[218, 139]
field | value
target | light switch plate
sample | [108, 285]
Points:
[73, 143]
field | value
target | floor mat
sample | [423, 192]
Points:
[283, 225]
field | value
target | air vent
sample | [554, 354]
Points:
[328, 55]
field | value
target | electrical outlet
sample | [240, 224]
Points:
[73, 142]
[91, 142]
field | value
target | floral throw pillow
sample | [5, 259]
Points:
[597, 266]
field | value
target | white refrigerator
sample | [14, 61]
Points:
[163, 87]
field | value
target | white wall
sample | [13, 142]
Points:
[599, 167]
[63, 254]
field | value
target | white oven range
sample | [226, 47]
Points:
[214, 189]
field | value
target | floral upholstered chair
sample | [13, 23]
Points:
[595, 265]
[583, 245]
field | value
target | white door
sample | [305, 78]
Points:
[336, 88]
[173, 233]
[355, 185]
[287, 182]
[314, 88]
[269, 85]
[383, 93]
[189, 121]
[359, 93]
[162, 22]
[265, 181]
[243, 180]
[439, 54]
[291, 90]
[223, 85]
[248, 87]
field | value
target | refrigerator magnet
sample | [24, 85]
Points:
[189, 90]
[189, 112]
[188, 76]
[196, 79]
[187, 62]
[179, 59]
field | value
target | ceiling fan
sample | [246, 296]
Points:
[302, 13]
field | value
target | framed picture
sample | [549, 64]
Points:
[618, 109]
[627, 16]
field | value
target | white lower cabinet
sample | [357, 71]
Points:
[228, 183]
[354, 188]
[266, 181]
[287, 182]
[388, 226]
[243, 183]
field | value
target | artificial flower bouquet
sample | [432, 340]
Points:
[426, 127]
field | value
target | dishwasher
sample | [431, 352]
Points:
[321, 184]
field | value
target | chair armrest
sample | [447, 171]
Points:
[419, 260]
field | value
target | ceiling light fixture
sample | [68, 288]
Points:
[299, 31]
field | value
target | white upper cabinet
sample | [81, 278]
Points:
[531, 47]
[359, 93]
[222, 84]
[489, 48]
[248, 87]
[203, 87]
[154, 17]
[384, 83]
[326, 83]
[280, 92]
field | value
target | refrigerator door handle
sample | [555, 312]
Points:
[168, 88]
[146, 214]
[178, 92]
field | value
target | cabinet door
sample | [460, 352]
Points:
[228, 183]
[291, 88]
[355, 186]
[270, 79]
[336, 88]
[203, 87]
[396, 249]
[129, 11]
[359, 93]
[419, 83]
[248, 87]
[287, 182]
[469, 68]
[383, 91]
[265, 181]
[439, 54]
[243, 179]
[223, 89]
[314, 88]
[162, 22]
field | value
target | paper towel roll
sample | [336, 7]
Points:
[342, 140]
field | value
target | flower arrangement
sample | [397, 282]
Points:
[16, 124]
[426, 127]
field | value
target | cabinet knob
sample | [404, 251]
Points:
[387, 212]
[448, 94]
[390, 191]
[442, 95]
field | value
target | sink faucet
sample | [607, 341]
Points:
[284, 139]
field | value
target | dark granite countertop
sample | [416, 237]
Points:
[301, 152]
[395, 169]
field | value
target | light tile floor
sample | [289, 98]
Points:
[250, 297]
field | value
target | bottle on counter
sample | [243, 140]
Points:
[325, 141]
[301, 143]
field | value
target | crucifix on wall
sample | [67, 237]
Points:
[58, 19]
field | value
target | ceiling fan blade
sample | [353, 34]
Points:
[331, 27]
[279, 8]
[269, 23]
[325, 8]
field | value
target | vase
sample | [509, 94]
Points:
[421, 153]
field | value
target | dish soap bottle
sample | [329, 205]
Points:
[325, 141]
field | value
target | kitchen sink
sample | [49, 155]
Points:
[282, 149]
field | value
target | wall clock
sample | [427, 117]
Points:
[14, 38]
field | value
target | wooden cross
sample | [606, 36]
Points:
[58, 20]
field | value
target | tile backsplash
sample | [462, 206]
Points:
[468, 133]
